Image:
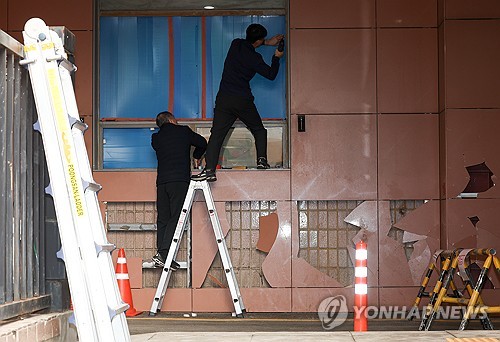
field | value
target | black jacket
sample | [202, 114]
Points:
[172, 144]
[241, 64]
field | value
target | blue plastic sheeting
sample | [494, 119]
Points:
[270, 96]
[135, 65]
[126, 148]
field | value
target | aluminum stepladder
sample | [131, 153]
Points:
[221, 245]
[98, 307]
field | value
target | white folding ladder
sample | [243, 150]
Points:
[98, 307]
[239, 307]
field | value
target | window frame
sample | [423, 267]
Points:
[99, 125]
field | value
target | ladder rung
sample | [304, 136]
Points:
[68, 65]
[91, 186]
[27, 61]
[81, 126]
[118, 310]
[36, 126]
[48, 190]
[106, 247]
[60, 254]
[54, 58]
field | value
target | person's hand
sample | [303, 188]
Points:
[274, 40]
[197, 163]
[279, 54]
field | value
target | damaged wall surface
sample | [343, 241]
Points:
[402, 112]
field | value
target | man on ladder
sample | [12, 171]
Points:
[172, 144]
[174, 201]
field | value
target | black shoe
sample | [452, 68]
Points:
[174, 266]
[206, 174]
[262, 163]
[158, 260]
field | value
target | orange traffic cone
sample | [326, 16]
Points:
[124, 283]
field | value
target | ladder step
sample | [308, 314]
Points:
[60, 254]
[107, 247]
[92, 186]
[36, 126]
[48, 190]
[81, 126]
[118, 310]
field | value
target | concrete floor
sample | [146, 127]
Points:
[295, 327]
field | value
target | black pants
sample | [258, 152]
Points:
[227, 110]
[169, 200]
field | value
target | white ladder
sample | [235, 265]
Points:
[98, 308]
[239, 307]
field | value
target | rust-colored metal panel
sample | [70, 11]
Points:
[407, 13]
[3, 15]
[277, 266]
[175, 299]
[76, 15]
[335, 158]
[471, 138]
[213, 300]
[393, 265]
[268, 232]
[440, 15]
[465, 9]
[251, 185]
[365, 217]
[423, 221]
[462, 233]
[441, 69]
[407, 71]
[399, 295]
[332, 13]
[408, 156]
[203, 240]
[120, 186]
[459, 226]
[332, 71]
[267, 300]
[134, 266]
[472, 68]
[83, 77]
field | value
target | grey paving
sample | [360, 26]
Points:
[342, 336]
[295, 327]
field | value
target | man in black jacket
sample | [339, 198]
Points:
[235, 100]
[172, 144]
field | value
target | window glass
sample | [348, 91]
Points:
[151, 64]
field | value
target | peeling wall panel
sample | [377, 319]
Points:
[471, 138]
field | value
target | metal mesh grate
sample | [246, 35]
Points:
[324, 237]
